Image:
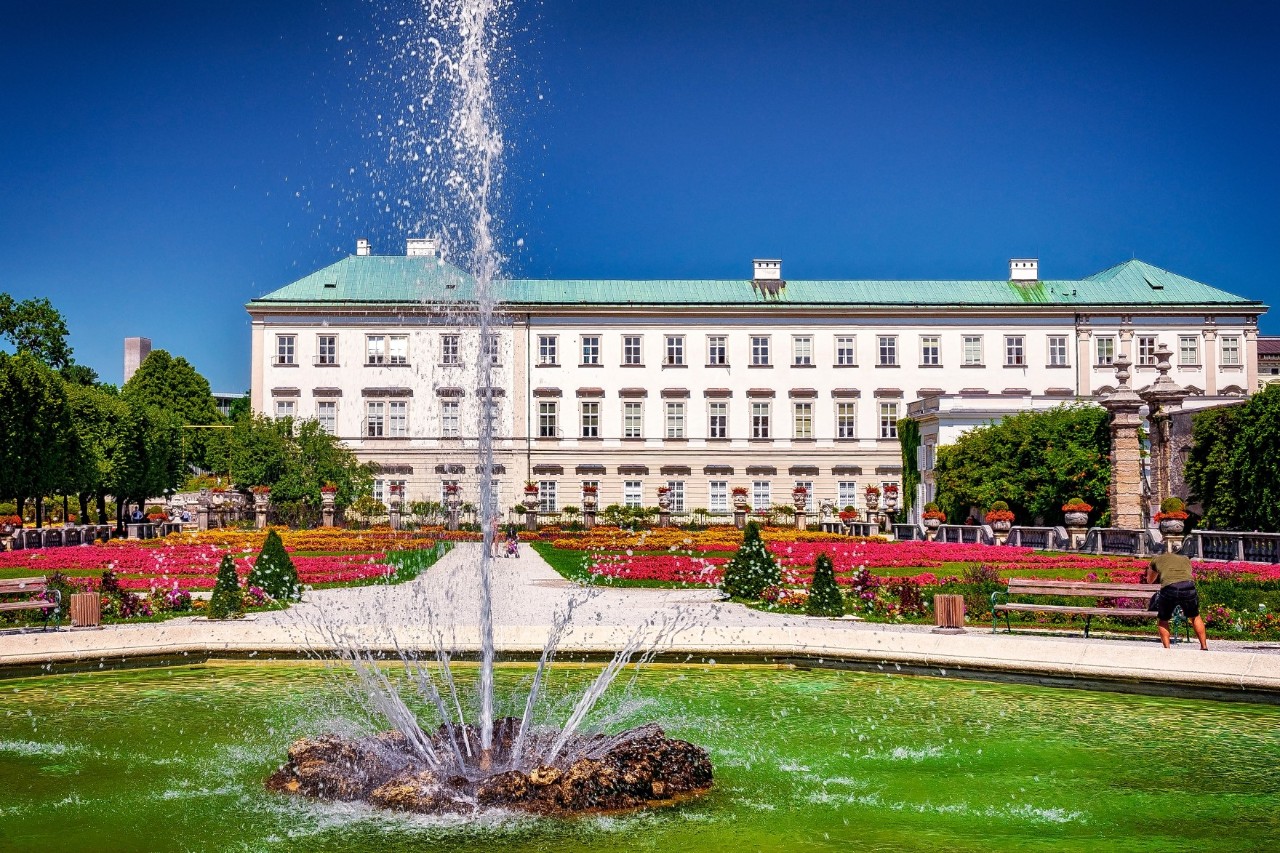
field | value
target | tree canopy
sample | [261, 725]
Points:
[34, 326]
[1233, 471]
[171, 385]
[38, 443]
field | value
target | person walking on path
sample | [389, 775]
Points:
[1173, 573]
[495, 538]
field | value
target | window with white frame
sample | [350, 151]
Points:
[887, 346]
[1230, 351]
[1015, 351]
[846, 420]
[802, 420]
[1105, 350]
[632, 494]
[397, 349]
[1058, 351]
[548, 419]
[286, 349]
[590, 419]
[375, 419]
[717, 420]
[547, 496]
[760, 350]
[398, 418]
[675, 491]
[761, 496]
[718, 495]
[802, 350]
[375, 349]
[492, 347]
[675, 349]
[444, 490]
[591, 349]
[326, 349]
[632, 420]
[285, 409]
[380, 491]
[888, 420]
[548, 349]
[846, 351]
[846, 493]
[760, 420]
[631, 350]
[450, 418]
[594, 484]
[717, 350]
[1147, 350]
[450, 349]
[973, 350]
[930, 350]
[675, 420]
[327, 416]
[1189, 350]
[807, 485]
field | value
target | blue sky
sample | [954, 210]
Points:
[162, 163]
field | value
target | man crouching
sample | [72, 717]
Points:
[1173, 573]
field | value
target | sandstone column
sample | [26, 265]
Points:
[1126, 451]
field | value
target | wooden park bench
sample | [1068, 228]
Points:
[31, 586]
[1139, 594]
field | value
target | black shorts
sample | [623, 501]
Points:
[1182, 594]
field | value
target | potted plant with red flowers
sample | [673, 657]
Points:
[1172, 517]
[1076, 512]
[999, 517]
[740, 501]
[932, 516]
[800, 497]
[664, 497]
[849, 513]
[872, 495]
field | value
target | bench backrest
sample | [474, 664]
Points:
[1033, 586]
[16, 586]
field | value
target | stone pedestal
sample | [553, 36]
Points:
[261, 502]
[1163, 397]
[531, 521]
[328, 508]
[1173, 543]
[801, 523]
[202, 517]
[589, 518]
[1125, 491]
[664, 518]
[453, 518]
[1076, 536]
[394, 515]
[740, 518]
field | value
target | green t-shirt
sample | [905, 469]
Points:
[1171, 568]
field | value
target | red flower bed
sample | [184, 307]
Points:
[673, 568]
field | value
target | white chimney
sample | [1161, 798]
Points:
[422, 247]
[362, 248]
[1024, 269]
[767, 270]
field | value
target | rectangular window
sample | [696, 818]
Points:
[802, 350]
[632, 494]
[1057, 350]
[846, 351]
[398, 349]
[444, 490]
[595, 484]
[395, 490]
[760, 350]
[398, 419]
[375, 419]
[846, 420]
[1147, 351]
[591, 349]
[547, 496]
[547, 349]
[286, 347]
[973, 349]
[718, 495]
[760, 495]
[380, 491]
[1189, 350]
[717, 420]
[449, 349]
[285, 409]
[717, 350]
[493, 348]
[548, 424]
[675, 349]
[375, 349]
[846, 493]
[327, 415]
[1015, 351]
[675, 491]
[326, 349]
[591, 420]
[631, 352]
[633, 420]
[930, 350]
[807, 485]
[675, 420]
[1230, 351]
[888, 350]
[888, 420]
[450, 418]
[759, 420]
[802, 420]
[1106, 351]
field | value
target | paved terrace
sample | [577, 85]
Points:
[528, 593]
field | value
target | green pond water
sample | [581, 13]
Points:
[174, 758]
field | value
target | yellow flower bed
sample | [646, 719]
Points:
[375, 540]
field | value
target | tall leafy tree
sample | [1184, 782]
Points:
[172, 385]
[1234, 467]
[294, 458]
[34, 326]
[37, 437]
[97, 414]
[146, 458]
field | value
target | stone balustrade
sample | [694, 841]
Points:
[1232, 546]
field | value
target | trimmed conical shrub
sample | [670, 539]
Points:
[752, 568]
[274, 572]
[227, 602]
[824, 596]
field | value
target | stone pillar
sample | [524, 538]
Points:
[531, 520]
[664, 518]
[739, 518]
[1076, 536]
[328, 507]
[202, 517]
[1084, 358]
[1126, 451]
[261, 502]
[1210, 360]
[1251, 357]
[393, 515]
[589, 501]
[1163, 397]
[800, 520]
[664, 508]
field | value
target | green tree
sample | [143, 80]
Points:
[34, 326]
[37, 438]
[825, 598]
[96, 415]
[1233, 470]
[1033, 460]
[173, 386]
[752, 567]
[274, 572]
[227, 602]
[146, 456]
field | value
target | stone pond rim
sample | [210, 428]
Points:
[639, 768]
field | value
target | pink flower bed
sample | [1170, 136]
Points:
[674, 568]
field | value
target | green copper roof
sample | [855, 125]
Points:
[398, 279]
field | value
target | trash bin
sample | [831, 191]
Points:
[948, 614]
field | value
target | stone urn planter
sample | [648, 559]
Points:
[873, 500]
[800, 497]
[664, 500]
[932, 523]
[1172, 525]
[1001, 526]
[1075, 518]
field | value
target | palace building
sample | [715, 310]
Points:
[704, 385]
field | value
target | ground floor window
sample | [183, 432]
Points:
[547, 496]
[675, 491]
[632, 494]
[846, 493]
[718, 496]
[761, 498]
